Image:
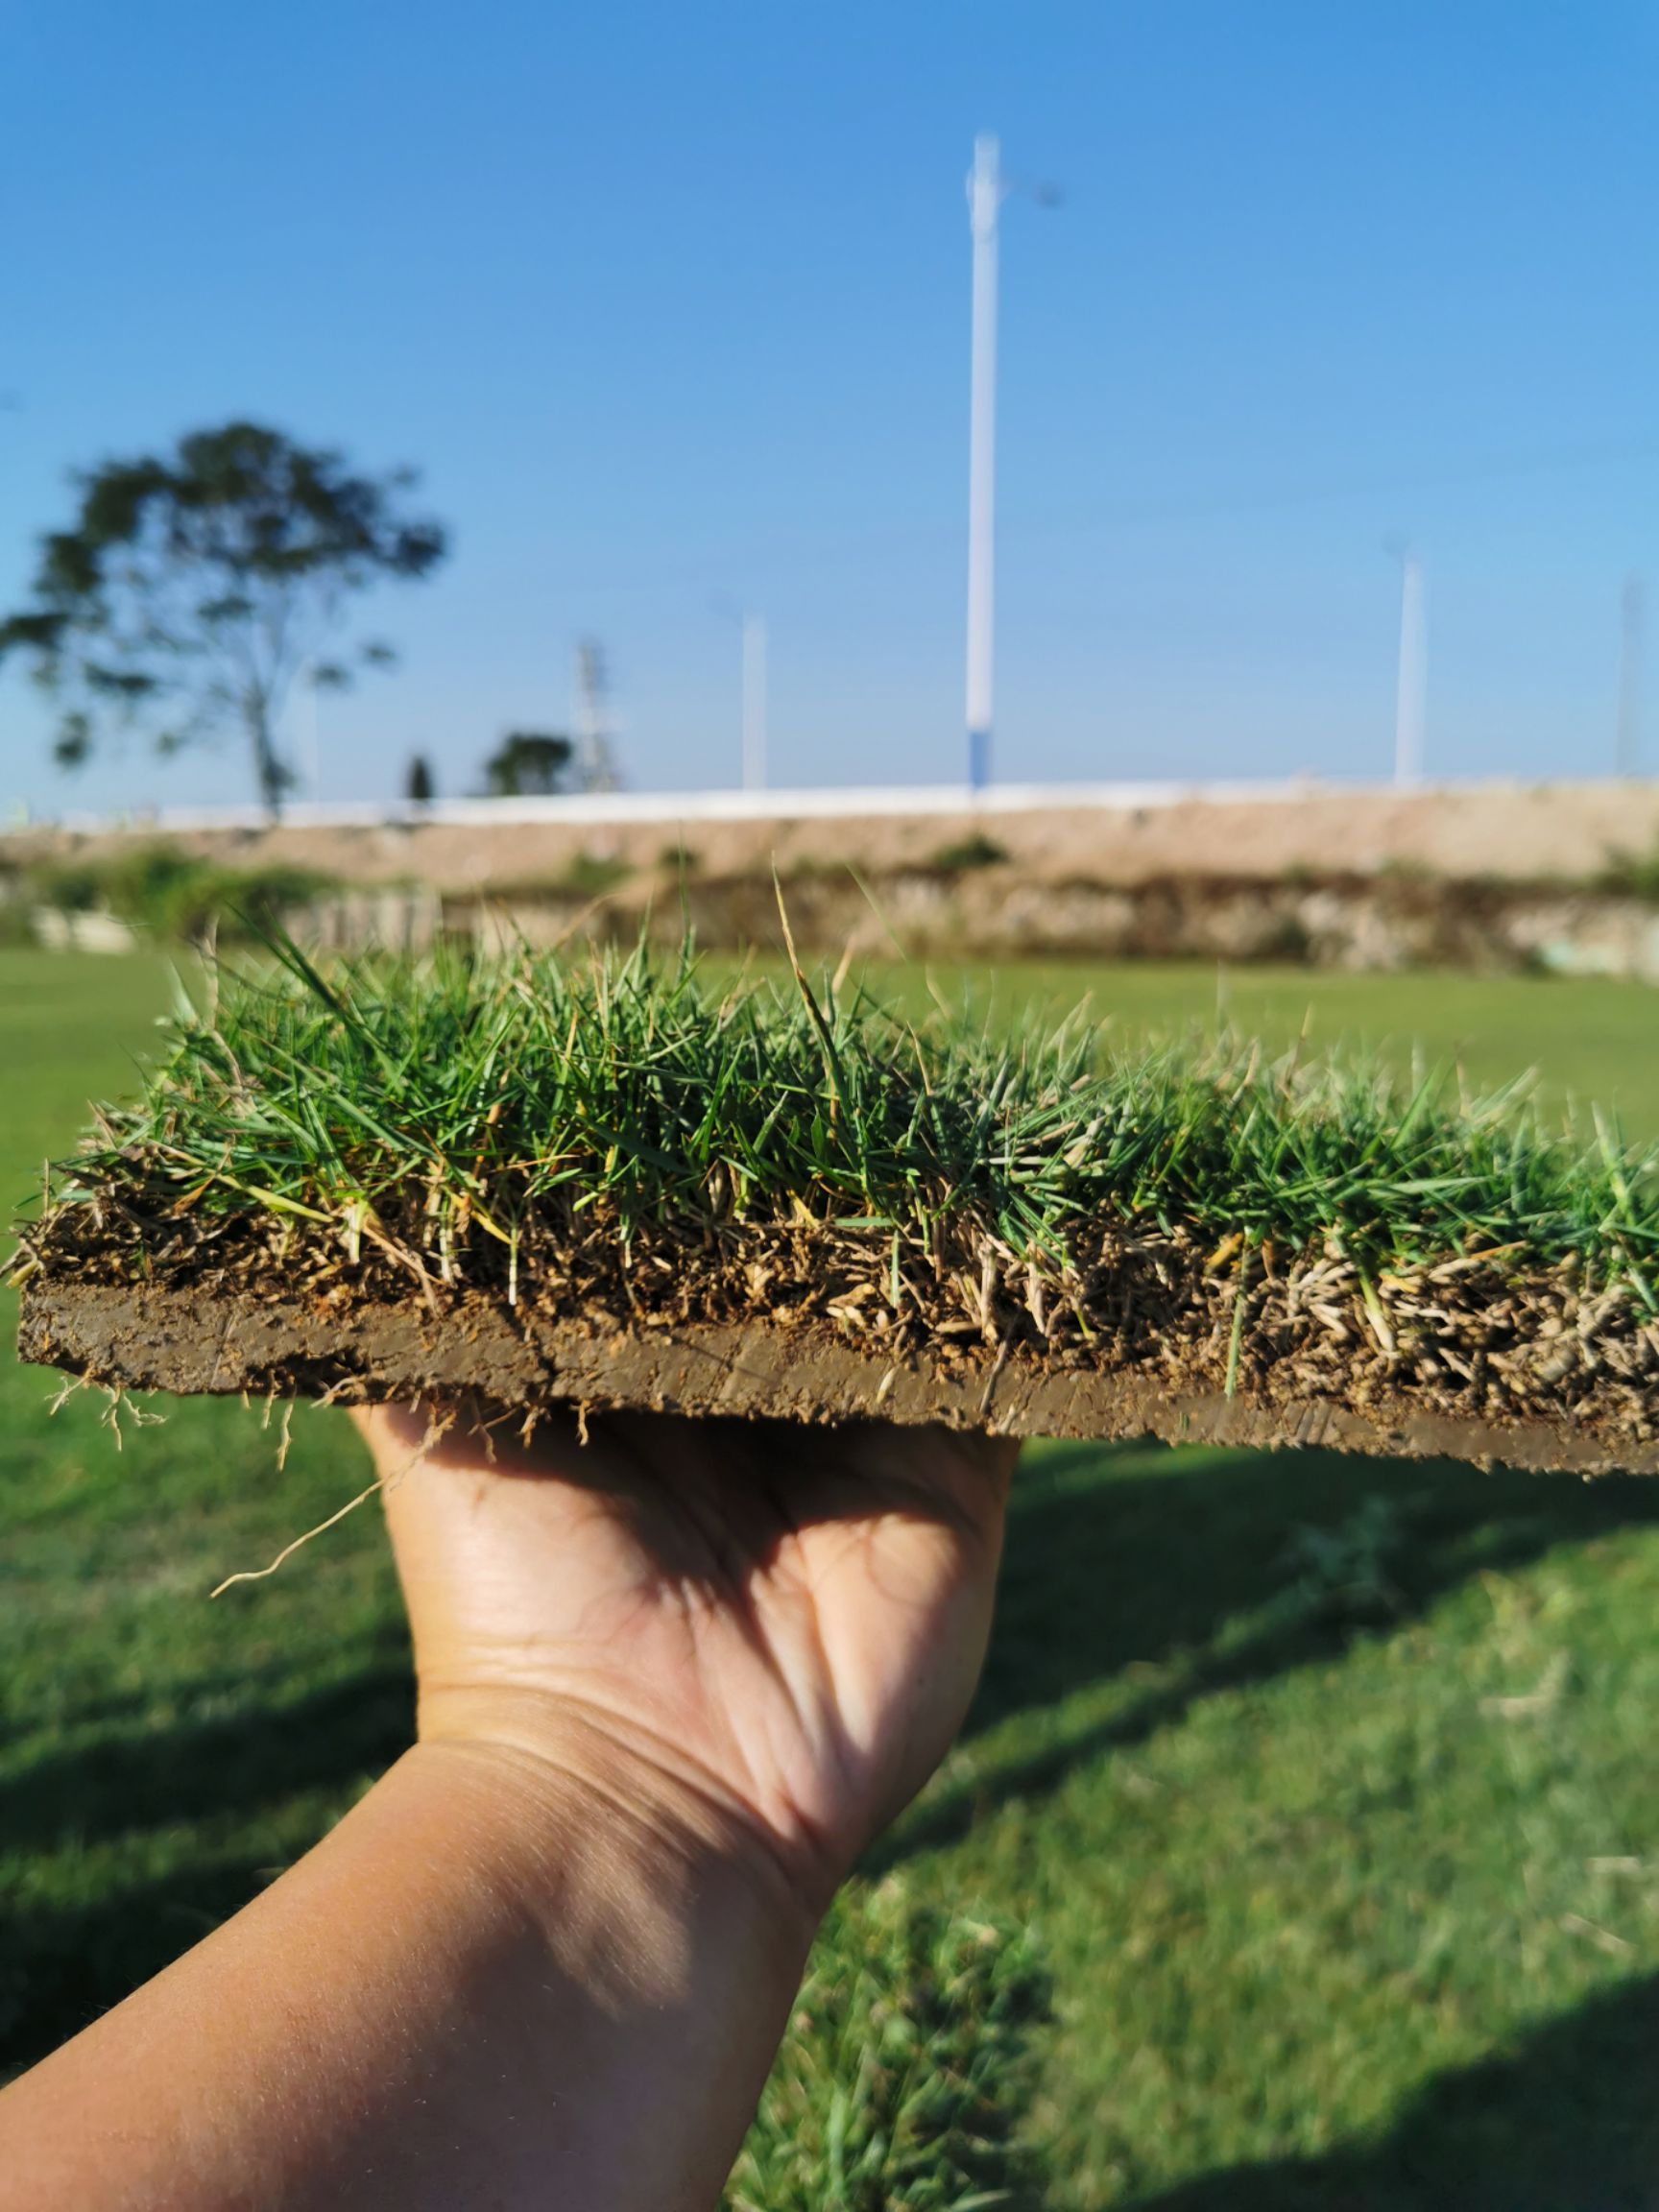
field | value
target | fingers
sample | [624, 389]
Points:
[463, 1437]
[667, 1474]
[455, 1434]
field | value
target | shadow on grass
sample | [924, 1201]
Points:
[61, 1964]
[209, 1769]
[1115, 1559]
[1183, 1565]
[1566, 2123]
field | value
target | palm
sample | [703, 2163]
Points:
[795, 1614]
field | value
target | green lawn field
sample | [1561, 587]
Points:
[1329, 1791]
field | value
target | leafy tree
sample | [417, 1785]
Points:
[191, 589]
[419, 789]
[527, 762]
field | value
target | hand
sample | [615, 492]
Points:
[671, 1679]
[787, 1623]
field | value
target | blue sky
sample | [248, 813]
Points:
[670, 306]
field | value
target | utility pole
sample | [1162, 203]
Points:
[984, 204]
[1632, 621]
[1411, 688]
[754, 702]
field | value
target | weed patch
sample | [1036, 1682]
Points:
[974, 851]
[171, 895]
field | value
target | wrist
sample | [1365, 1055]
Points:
[560, 1792]
[624, 1954]
[523, 1970]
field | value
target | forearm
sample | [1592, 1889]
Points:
[505, 1978]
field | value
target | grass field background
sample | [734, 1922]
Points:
[1329, 1789]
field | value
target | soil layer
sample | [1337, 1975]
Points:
[793, 1368]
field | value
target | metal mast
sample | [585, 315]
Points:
[595, 757]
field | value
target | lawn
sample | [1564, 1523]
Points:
[1326, 1787]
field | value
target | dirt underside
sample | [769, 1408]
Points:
[1141, 1334]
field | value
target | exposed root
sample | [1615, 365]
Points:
[67, 1390]
[259, 1573]
[438, 1426]
[119, 1402]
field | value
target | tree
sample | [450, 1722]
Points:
[527, 762]
[190, 591]
[419, 789]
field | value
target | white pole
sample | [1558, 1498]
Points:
[585, 717]
[753, 702]
[984, 199]
[1630, 677]
[1411, 689]
[313, 731]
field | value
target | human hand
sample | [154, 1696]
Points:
[782, 1622]
[671, 1679]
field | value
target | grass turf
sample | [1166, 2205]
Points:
[1327, 1787]
[457, 1100]
[626, 1141]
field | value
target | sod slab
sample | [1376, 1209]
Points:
[615, 1185]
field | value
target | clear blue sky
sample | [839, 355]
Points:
[670, 305]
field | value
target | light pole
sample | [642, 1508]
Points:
[986, 193]
[754, 702]
[1411, 682]
[751, 629]
[1632, 612]
[984, 205]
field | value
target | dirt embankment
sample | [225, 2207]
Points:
[1520, 830]
[1504, 878]
[999, 913]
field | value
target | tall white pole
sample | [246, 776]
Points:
[984, 201]
[753, 702]
[1412, 688]
[1631, 613]
[313, 731]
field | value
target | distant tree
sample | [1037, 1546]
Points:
[527, 763]
[191, 589]
[419, 789]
